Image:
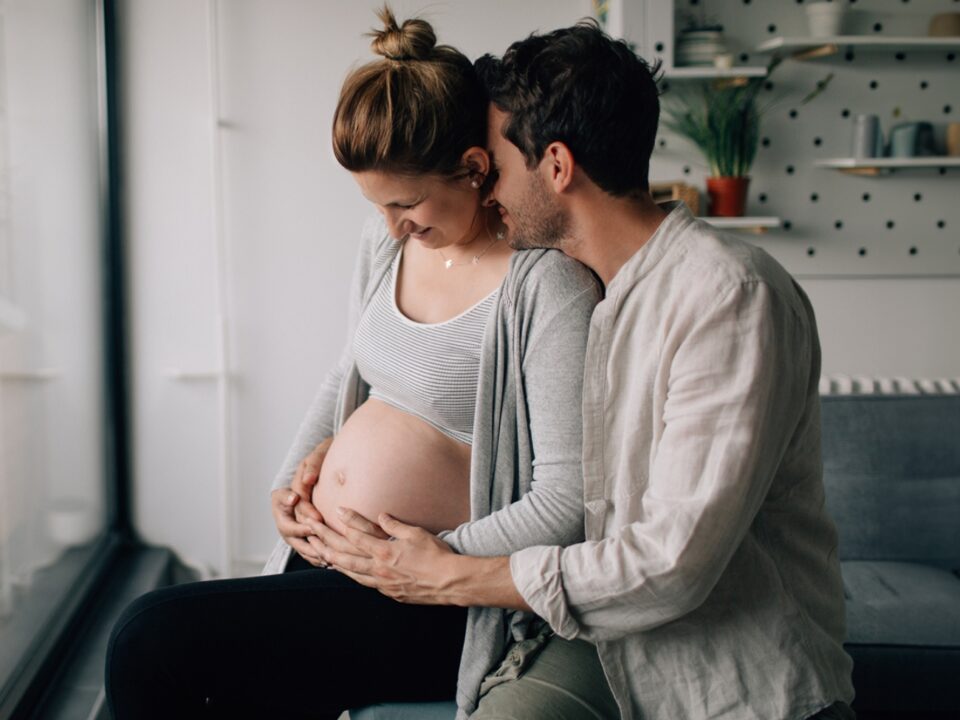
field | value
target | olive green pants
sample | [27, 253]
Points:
[549, 678]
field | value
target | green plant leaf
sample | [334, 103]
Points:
[722, 118]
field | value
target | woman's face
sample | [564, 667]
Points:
[434, 210]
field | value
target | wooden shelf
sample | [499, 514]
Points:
[708, 72]
[809, 48]
[876, 166]
[757, 224]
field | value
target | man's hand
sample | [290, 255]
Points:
[414, 566]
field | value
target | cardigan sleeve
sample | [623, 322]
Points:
[318, 423]
[553, 312]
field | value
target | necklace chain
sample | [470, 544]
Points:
[475, 260]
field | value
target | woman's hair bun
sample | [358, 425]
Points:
[414, 40]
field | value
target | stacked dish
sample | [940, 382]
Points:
[699, 47]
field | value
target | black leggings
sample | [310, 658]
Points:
[306, 644]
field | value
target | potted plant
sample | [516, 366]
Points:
[722, 118]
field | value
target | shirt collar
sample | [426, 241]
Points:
[645, 259]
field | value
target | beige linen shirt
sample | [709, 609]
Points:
[709, 578]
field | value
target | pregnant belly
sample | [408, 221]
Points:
[386, 460]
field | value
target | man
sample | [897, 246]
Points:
[709, 583]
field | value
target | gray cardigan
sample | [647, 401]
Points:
[526, 479]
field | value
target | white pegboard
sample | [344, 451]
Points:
[906, 223]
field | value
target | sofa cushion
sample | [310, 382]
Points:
[891, 469]
[896, 603]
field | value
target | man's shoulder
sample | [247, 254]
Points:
[711, 262]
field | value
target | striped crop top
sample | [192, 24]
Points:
[428, 370]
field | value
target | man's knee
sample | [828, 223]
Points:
[529, 700]
[565, 681]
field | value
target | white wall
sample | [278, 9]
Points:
[288, 223]
[888, 327]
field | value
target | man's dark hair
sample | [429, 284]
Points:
[580, 87]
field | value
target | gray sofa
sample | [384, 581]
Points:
[892, 477]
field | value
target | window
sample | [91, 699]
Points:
[55, 451]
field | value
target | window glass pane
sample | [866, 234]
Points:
[52, 486]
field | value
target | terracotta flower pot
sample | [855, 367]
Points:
[728, 195]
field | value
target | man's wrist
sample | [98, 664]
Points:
[484, 582]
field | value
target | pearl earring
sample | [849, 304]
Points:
[475, 184]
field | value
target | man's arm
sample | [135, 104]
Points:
[740, 380]
[417, 567]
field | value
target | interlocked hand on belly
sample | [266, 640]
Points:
[292, 507]
[404, 562]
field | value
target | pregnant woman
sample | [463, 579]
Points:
[455, 406]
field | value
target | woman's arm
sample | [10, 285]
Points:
[318, 423]
[558, 307]
[290, 492]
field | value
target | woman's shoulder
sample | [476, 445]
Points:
[551, 276]
[377, 248]
[375, 239]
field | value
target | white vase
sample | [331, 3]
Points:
[825, 18]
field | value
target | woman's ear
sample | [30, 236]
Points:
[476, 160]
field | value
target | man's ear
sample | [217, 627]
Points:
[558, 166]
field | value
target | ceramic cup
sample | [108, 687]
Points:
[912, 139]
[953, 139]
[825, 19]
[723, 61]
[903, 140]
[867, 137]
[944, 25]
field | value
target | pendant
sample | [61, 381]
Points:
[476, 260]
[448, 264]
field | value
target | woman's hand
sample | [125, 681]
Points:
[308, 472]
[292, 506]
[294, 534]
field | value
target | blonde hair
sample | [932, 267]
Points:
[415, 111]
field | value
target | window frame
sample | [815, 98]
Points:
[40, 666]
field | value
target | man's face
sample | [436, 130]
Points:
[531, 212]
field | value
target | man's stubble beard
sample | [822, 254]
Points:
[539, 222]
